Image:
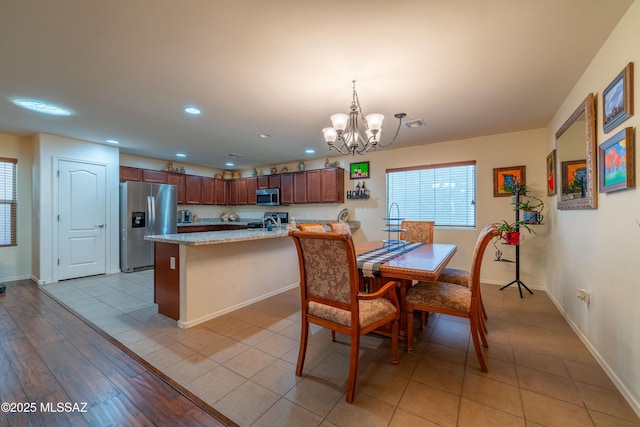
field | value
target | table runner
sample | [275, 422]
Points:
[369, 262]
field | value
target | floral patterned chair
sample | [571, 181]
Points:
[453, 299]
[340, 227]
[417, 231]
[330, 298]
[315, 227]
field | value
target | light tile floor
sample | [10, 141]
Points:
[243, 363]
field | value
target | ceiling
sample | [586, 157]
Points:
[128, 68]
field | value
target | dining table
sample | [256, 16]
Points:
[422, 263]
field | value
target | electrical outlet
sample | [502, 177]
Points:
[172, 263]
[584, 296]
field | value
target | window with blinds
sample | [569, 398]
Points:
[444, 193]
[8, 201]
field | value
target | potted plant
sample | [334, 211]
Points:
[510, 231]
[530, 212]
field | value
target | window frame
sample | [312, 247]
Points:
[473, 199]
[12, 180]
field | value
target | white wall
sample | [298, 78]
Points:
[15, 261]
[598, 249]
[48, 149]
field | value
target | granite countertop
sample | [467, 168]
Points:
[207, 221]
[217, 237]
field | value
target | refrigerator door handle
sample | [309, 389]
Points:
[151, 212]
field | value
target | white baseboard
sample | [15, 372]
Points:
[622, 388]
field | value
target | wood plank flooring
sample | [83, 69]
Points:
[48, 355]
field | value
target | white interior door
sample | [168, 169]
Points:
[81, 219]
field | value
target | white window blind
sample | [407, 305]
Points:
[444, 193]
[8, 201]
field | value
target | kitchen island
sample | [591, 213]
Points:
[199, 276]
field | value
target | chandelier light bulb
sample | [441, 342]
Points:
[330, 134]
[339, 121]
[374, 121]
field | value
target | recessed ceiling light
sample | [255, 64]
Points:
[230, 164]
[41, 107]
[181, 155]
[310, 151]
[113, 141]
[192, 110]
[264, 135]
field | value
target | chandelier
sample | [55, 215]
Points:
[345, 136]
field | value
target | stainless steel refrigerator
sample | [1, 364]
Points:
[145, 208]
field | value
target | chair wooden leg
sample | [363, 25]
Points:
[353, 367]
[394, 341]
[475, 331]
[304, 332]
[423, 319]
[333, 336]
[484, 312]
[410, 310]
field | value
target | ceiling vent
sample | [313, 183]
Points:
[414, 123]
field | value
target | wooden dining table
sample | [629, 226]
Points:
[424, 263]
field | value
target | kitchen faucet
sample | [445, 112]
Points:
[275, 220]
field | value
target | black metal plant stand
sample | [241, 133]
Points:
[517, 280]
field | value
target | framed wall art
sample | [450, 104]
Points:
[505, 180]
[551, 174]
[616, 166]
[617, 99]
[574, 177]
[359, 170]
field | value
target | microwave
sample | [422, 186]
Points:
[268, 197]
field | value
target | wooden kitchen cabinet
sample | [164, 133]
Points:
[208, 196]
[325, 185]
[156, 177]
[263, 182]
[314, 192]
[242, 191]
[193, 189]
[222, 192]
[233, 192]
[166, 280]
[179, 181]
[252, 186]
[127, 173]
[286, 188]
[274, 181]
[332, 185]
[300, 187]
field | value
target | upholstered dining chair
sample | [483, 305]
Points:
[461, 277]
[453, 299]
[315, 227]
[417, 231]
[330, 297]
[340, 227]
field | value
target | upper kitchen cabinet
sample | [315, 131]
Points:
[263, 182]
[300, 187]
[252, 186]
[156, 177]
[325, 185]
[179, 181]
[332, 185]
[193, 189]
[233, 192]
[243, 196]
[127, 173]
[222, 192]
[208, 196]
[286, 188]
